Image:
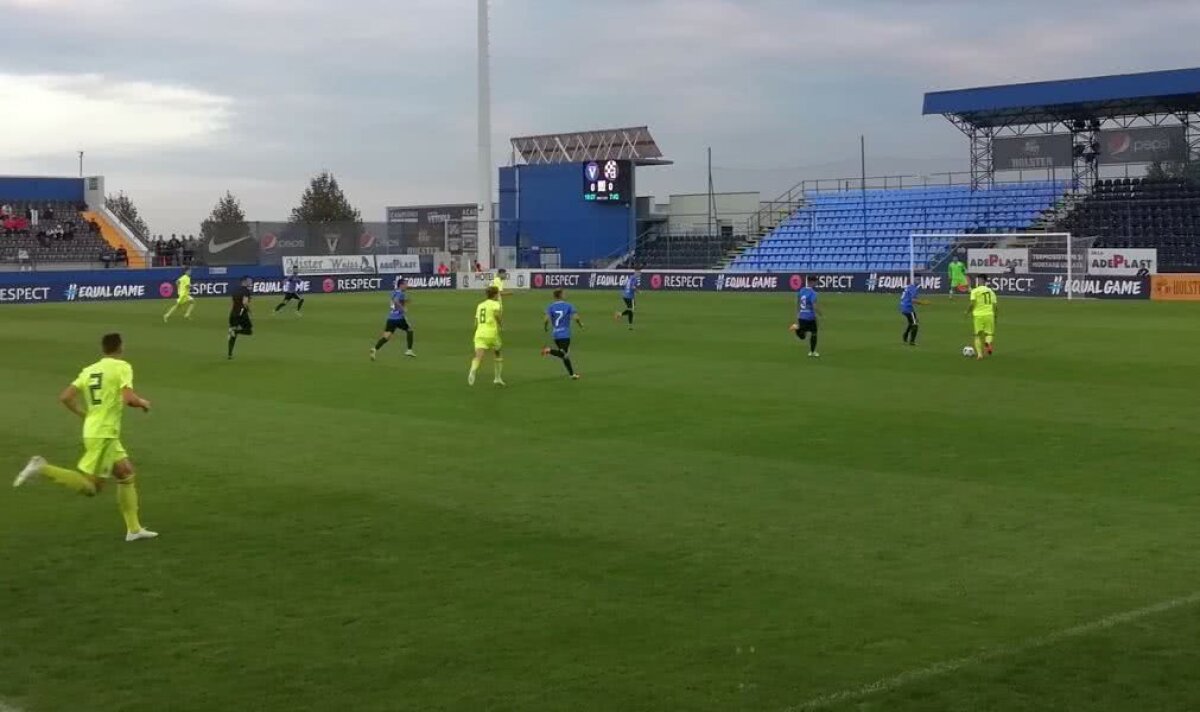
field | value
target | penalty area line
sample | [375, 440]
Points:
[947, 667]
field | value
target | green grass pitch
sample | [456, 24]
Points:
[708, 520]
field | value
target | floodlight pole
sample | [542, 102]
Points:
[484, 250]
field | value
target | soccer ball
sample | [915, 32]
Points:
[969, 351]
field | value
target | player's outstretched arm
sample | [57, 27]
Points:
[579, 321]
[70, 400]
[133, 400]
[546, 323]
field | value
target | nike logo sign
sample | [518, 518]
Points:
[214, 247]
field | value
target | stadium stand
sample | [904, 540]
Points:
[683, 251]
[49, 232]
[853, 231]
[1162, 213]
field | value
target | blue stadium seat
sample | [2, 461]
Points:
[840, 232]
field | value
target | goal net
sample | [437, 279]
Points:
[1049, 253]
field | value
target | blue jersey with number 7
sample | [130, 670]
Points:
[560, 314]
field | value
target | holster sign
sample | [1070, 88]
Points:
[1023, 153]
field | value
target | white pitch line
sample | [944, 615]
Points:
[946, 667]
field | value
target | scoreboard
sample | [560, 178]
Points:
[608, 181]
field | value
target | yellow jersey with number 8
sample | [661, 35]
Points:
[101, 385]
[983, 301]
[486, 318]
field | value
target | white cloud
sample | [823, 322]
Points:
[53, 114]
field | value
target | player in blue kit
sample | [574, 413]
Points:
[629, 293]
[397, 320]
[908, 307]
[807, 312]
[559, 315]
[291, 292]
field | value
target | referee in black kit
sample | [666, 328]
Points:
[239, 313]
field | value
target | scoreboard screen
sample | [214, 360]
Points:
[608, 181]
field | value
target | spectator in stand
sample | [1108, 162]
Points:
[106, 257]
[48, 213]
[478, 267]
[94, 227]
[122, 257]
[5, 210]
[31, 214]
[24, 261]
[442, 268]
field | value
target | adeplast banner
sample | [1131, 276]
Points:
[998, 260]
[398, 264]
[1122, 262]
[330, 264]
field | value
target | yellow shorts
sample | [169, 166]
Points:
[488, 343]
[985, 325]
[99, 456]
[184, 298]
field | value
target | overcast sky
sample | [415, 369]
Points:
[175, 101]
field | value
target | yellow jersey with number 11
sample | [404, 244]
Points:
[983, 301]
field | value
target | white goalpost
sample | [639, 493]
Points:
[1048, 253]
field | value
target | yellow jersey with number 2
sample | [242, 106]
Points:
[101, 385]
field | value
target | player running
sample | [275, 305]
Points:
[908, 307]
[983, 310]
[106, 388]
[291, 292]
[559, 315]
[807, 313]
[500, 282]
[183, 294]
[957, 273]
[397, 319]
[629, 292]
[488, 323]
[239, 314]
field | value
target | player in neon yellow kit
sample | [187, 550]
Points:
[183, 293]
[957, 272]
[500, 282]
[983, 312]
[488, 318]
[106, 389]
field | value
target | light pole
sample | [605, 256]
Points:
[484, 251]
[81, 164]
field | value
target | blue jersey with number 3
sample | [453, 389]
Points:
[806, 304]
[629, 291]
[398, 304]
[561, 314]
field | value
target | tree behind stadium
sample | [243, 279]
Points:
[226, 222]
[324, 202]
[122, 206]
